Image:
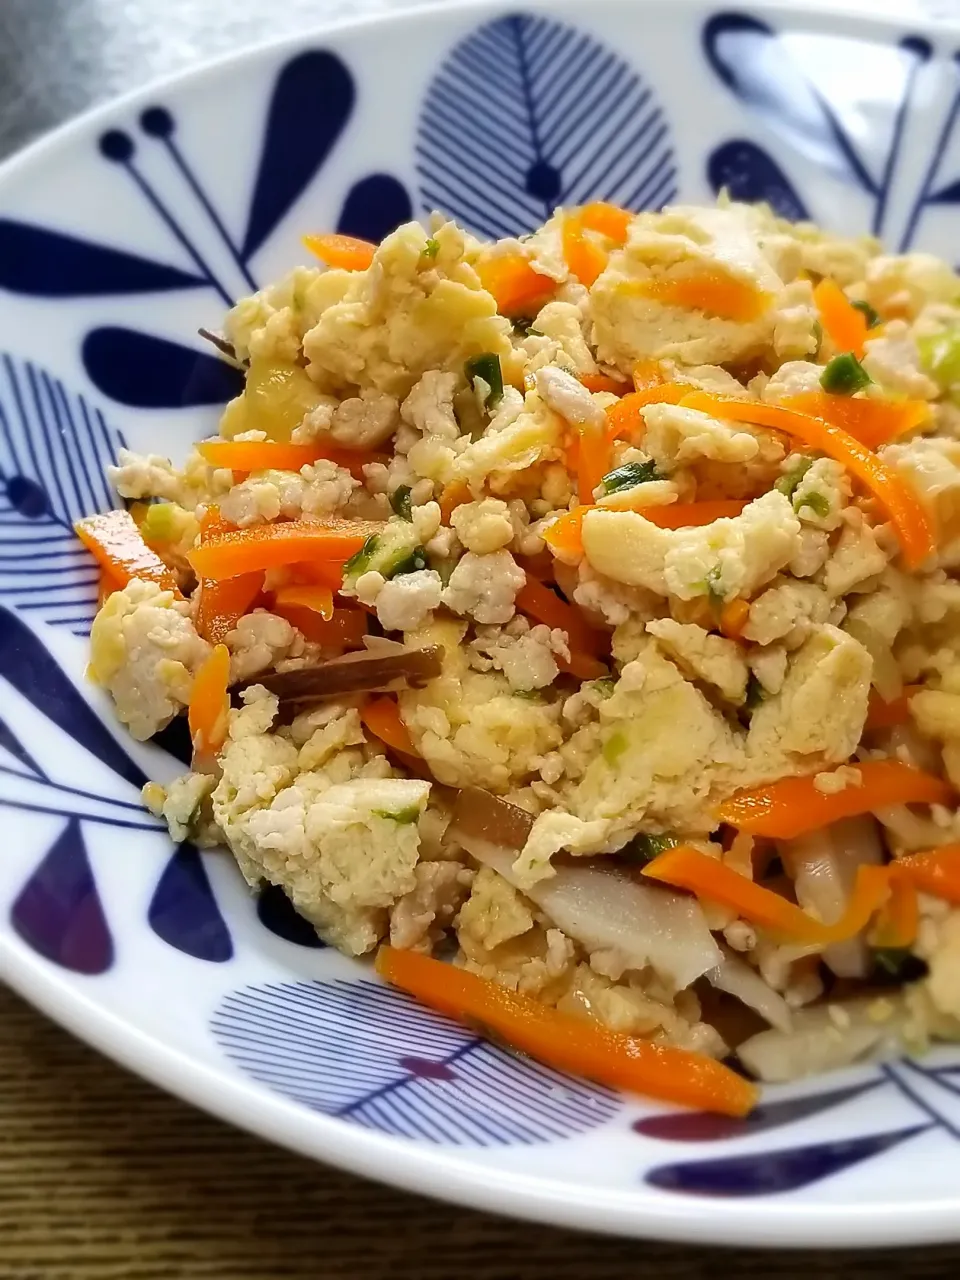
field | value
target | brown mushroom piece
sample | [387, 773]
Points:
[368, 672]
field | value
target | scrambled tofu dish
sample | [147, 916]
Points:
[574, 621]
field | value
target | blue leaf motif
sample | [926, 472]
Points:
[54, 450]
[371, 1055]
[703, 1126]
[764, 1173]
[277, 913]
[374, 207]
[175, 740]
[183, 910]
[58, 911]
[145, 372]
[519, 120]
[50, 264]
[312, 102]
[751, 175]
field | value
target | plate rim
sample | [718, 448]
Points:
[442, 1174]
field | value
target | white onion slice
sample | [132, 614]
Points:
[735, 976]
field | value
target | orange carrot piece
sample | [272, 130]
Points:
[583, 257]
[118, 546]
[344, 630]
[515, 286]
[454, 495]
[733, 618]
[937, 872]
[647, 375]
[687, 515]
[565, 536]
[581, 1047]
[107, 585]
[583, 665]
[594, 461]
[221, 605]
[317, 599]
[793, 806]
[382, 717]
[263, 455]
[712, 292]
[209, 705]
[607, 219]
[346, 252]
[872, 422]
[887, 715]
[543, 605]
[625, 421]
[907, 513]
[270, 546]
[687, 868]
[843, 323]
[897, 922]
[603, 382]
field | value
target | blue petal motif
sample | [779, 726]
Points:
[58, 912]
[751, 175]
[371, 1055]
[312, 102]
[175, 740]
[155, 373]
[277, 913]
[184, 912]
[29, 667]
[702, 1126]
[374, 207]
[518, 120]
[766, 1173]
[54, 449]
[50, 264]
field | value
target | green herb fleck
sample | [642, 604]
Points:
[160, 522]
[431, 248]
[358, 562]
[788, 482]
[614, 747]
[417, 559]
[523, 328]
[630, 474]
[844, 375]
[898, 964]
[871, 316]
[604, 686]
[644, 848]
[400, 502]
[487, 367]
[528, 695]
[817, 336]
[714, 586]
[402, 816]
[940, 357]
[818, 504]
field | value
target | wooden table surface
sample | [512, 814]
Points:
[102, 1177]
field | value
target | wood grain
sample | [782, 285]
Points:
[102, 1177]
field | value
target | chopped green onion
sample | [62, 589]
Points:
[818, 504]
[712, 582]
[400, 502]
[940, 357]
[788, 482]
[487, 367]
[358, 562]
[644, 848]
[818, 336]
[871, 316]
[898, 964]
[630, 474]
[523, 328]
[529, 695]
[404, 816]
[417, 559]
[844, 375]
[431, 248]
[604, 686]
[160, 522]
[614, 747]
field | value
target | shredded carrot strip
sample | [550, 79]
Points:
[793, 806]
[264, 455]
[515, 286]
[907, 514]
[107, 585]
[709, 291]
[454, 495]
[607, 219]
[687, 868]
[594, 461]
[887, 715]
[209, 704]
[583, 666]
[625, 421]
[346, 252]
[565, 536]
[937, 872]
[584, 259]
[118, 546]
[897, 922]
[221, 605]
[603, 382]
[269, 546]
[344, 630]
[872, 422]
[687, 515]
[317, 599]
[843, 323]
[576, 1045]
[382, 717]
[646, 375]
[733, 618]
[543, 605]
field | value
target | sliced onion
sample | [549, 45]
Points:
[735, 976]
[603, 909]
[886, 678]
[824, 865]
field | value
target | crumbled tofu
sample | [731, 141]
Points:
[705, 656]
[675, 436]
[316, 490]
[494, 913]
[833, 781]
[405, 602]
[483, 527]
[429, 406]
[893, 362]
[794, 378]
[856, 559]
[570, 398]
[484, 586]
[431, 905]
[822, 494]
[786, 609]
[258, 642]
[527, 656]
[365, 421]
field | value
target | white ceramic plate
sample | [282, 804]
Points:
[121, 235]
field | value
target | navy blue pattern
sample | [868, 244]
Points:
[772, 80]
[145, 372]
[184, 912]
[277, 913]
[54, 449]
[369, 1054]
[519, 120]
